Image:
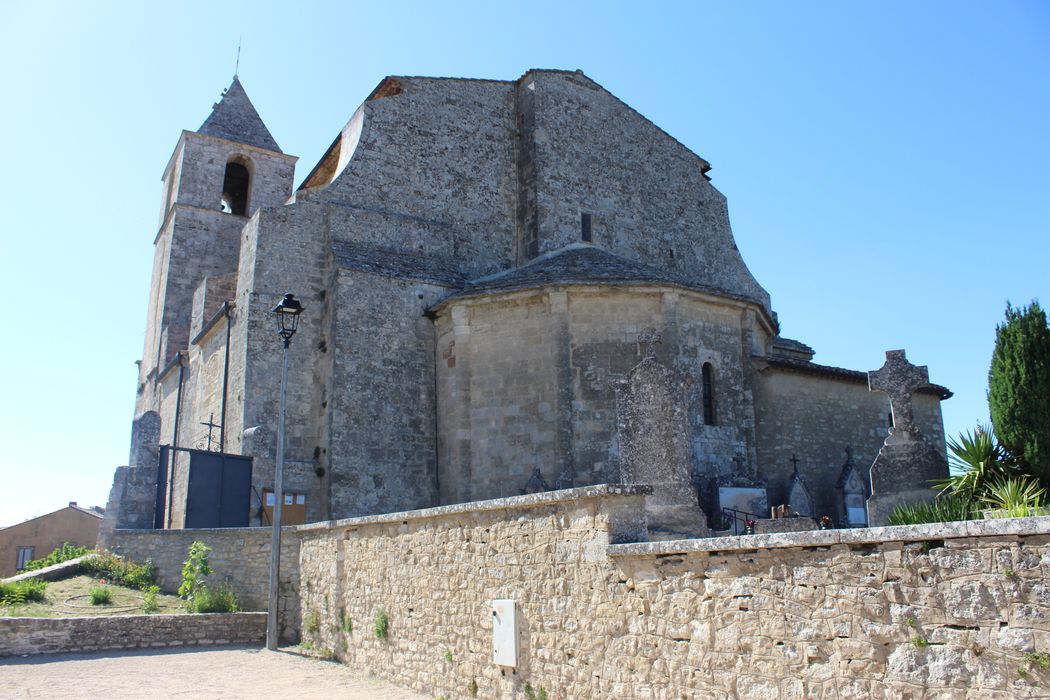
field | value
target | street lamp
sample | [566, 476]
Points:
[287, 313]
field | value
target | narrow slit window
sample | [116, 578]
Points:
[585, 227]
[708, 373]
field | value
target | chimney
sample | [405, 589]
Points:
[72, 504]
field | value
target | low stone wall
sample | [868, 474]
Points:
[36, 635]
[240, 556]
[769, 526]
[946, 611]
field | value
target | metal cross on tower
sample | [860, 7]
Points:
[211, 425]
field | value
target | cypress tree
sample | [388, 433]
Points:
[1019, 388]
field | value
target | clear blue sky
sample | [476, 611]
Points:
[887, 167]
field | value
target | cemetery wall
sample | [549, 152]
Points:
[946, 611]
[239, 556]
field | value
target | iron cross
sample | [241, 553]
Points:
[211, 425]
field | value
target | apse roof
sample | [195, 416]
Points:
[581, 264]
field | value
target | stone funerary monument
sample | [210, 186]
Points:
[509, 285]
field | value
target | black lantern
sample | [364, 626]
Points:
[288, 317]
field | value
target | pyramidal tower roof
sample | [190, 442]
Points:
[234, 118]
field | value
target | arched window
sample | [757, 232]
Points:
[709, 393]
[235, 189]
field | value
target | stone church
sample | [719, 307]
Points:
[485, 266]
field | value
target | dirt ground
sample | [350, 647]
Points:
[197, 672]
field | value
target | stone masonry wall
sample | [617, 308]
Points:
[815, 418]
[240, 556]
[36, 635]
[536, 373]
[945, 611]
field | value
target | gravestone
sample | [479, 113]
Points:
[799, 496]
[907, 464]
[653, 433]
[536, 483]
[853, 494]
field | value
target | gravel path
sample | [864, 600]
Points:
[195, 672]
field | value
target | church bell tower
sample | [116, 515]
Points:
[216, 179]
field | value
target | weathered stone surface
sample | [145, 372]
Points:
[132, 498]
[463, 326]
[907, 464]
[652, 431]
[839, 613]
[239, 556]
[40, 635]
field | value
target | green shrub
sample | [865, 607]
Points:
[219, 600]
[119, 570]
[976, 460]
[345, 623]
[149, 600]
[1017, 497]
[1039, 659]
[381, 626]
[1019, 388]
[312, 623]
[59, 555]
[944, 509]
[101, 595]
[22, 592]
[534, 694]
[194, 569]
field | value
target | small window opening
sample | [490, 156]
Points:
[585, 227]
[709, 393]
[235, 189]
[25, 555]
[889, 418]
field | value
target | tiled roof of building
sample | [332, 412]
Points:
[842, 373]
[234, 118]
[792, 347]
[393, 263]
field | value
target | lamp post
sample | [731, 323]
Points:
[287, 313]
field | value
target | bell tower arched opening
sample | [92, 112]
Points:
[235, 187]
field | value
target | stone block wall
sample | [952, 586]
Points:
[815, 418]
[36, 635]
[536, 373]
[946, 611]
[240, 556]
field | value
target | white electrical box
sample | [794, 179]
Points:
[505, 632]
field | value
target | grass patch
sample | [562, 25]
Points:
[70, 597]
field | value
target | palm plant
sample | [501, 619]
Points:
[945, 508]
[1016, 497]
[976, 460]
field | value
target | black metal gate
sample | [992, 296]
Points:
[218, 488]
